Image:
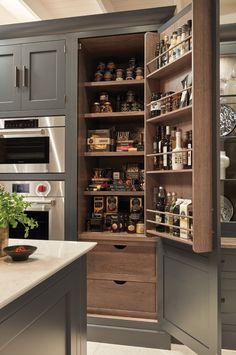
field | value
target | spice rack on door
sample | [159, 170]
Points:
[185, 182]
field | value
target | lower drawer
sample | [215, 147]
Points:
[122, 298]
[126, 262]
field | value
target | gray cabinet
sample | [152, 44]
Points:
[43, 75]
[10, 61]
[32, 76]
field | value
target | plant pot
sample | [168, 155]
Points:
[4, 236]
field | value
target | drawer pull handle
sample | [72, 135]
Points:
[118, 282]
[222, 261]
[120, 246]
[222, 300]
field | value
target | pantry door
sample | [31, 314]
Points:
[188, 285]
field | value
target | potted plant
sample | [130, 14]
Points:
[12, 212]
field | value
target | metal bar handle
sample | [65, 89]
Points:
[24, 81]
[22, 132]
[16, 79]
[48, 202]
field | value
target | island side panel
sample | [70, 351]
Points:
[50, 319]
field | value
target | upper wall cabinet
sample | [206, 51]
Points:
[10, 59]
[33, 76]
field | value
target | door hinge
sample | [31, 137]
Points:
[64, 48]
[80, 46]
[65, 99]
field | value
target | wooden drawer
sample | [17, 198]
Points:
[122, 262]
[124, 298]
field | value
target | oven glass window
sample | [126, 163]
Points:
[31, 150]
[42, 232]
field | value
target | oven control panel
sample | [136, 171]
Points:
[21, 124]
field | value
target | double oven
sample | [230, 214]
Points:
[36, 146]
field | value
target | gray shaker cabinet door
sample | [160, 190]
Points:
[43, 75]
[188, 298]
[10, 92]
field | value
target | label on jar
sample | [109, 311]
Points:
[131, 228]
[189, 155]
[158, 218]
[140, 228]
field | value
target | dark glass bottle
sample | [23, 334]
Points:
[189, 146]
[156, 147]
[160, 206]
[167, 148]
[160, 148]
[167, 209]
[157, 53]
[171, 217]
[162, 49]
[118, 103]
[176, 218]
[185, 152]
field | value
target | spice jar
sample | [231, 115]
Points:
[107, 106]
[101, 66]
[111, 66]
[129, 74]
[108, 76]
[98, 76]
[169, 104]
[163, 106]
[175, 102]
[103, 97]
[139, 73]
[125, 107]
[130, 95]
[119, 74]
[96, 107]
[132, 62]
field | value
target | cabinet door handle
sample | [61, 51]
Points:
[120, 246]
[24, 79]
[16, 79]
[119, 282]
[222, 300]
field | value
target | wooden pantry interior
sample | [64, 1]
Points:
[135, 276]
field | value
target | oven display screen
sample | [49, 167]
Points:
[20, 188]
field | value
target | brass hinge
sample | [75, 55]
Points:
[64, 48]
[80, 46]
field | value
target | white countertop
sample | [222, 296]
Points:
[16, 278]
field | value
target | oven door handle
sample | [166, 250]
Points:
[41, 203]
[22, 132]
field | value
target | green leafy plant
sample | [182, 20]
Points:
[12, 211]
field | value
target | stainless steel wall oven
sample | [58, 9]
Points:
[32, 145]
[47, 208]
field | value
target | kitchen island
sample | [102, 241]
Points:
[43, 300]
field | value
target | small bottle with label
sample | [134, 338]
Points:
[177, 155]
[189, 146]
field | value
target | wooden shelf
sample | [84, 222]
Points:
[181, 112]
[168, 236]
[169, 171]
[113, 154]
[96, 236]
[114, 115]
[171, 68]
[113, 85]
[114, 193]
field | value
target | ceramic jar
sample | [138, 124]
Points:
[108, 76]
[139, 73]
[224, 164]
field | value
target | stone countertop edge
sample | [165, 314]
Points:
[17, 278]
